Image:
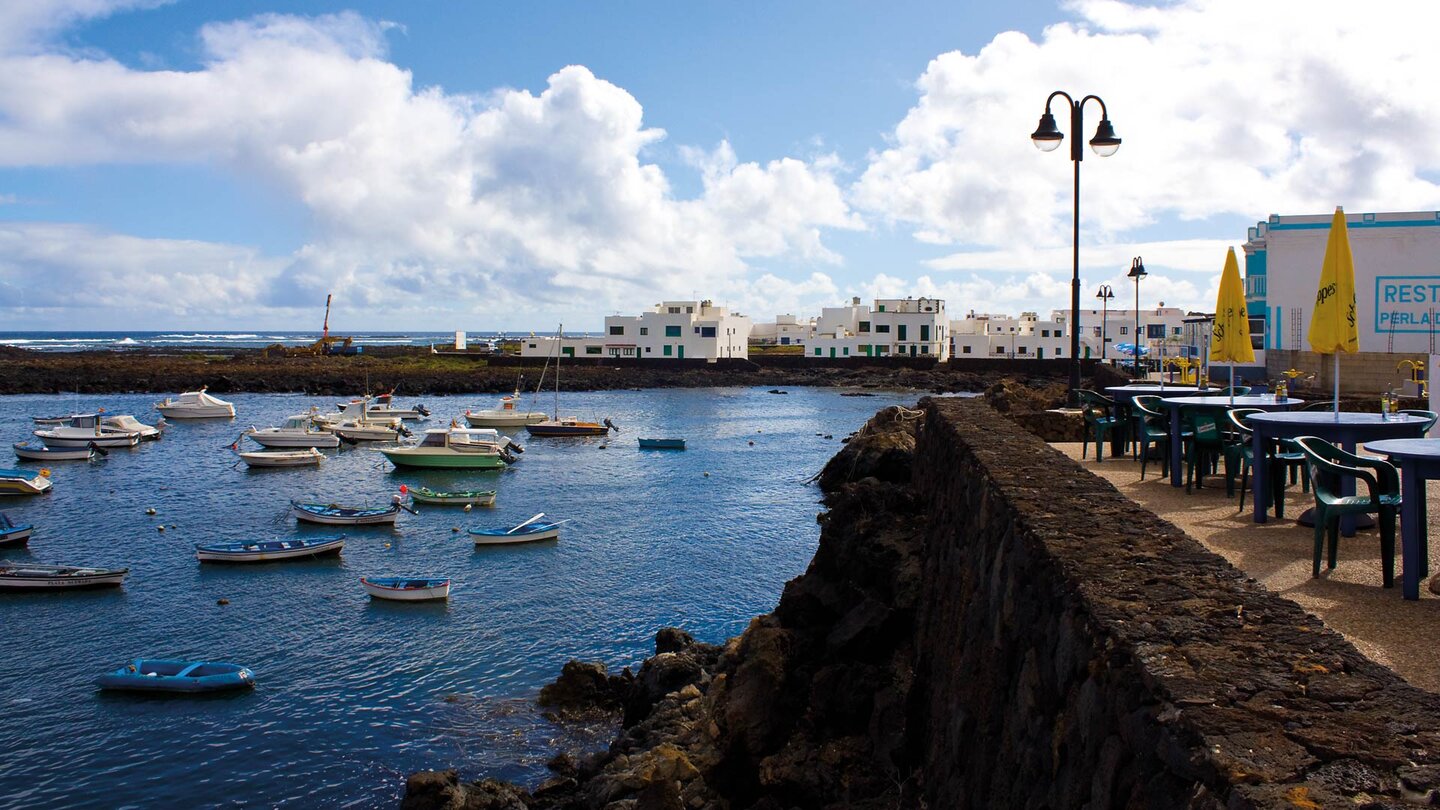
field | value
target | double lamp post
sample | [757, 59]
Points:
[1047, 138]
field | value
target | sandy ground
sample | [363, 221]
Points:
[1349, 599]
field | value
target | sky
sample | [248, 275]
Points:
[510, 166]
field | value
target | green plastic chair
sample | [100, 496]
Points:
[1281, 461]
[1431, 415]
[1207, 445]
[1099, 421]
[1329, 465]
[1240, 391]
[1151, 426]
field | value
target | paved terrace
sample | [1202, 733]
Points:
[1350, 599]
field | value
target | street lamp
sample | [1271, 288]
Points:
[1047, 137]
[1137, 272]
[1105, 294]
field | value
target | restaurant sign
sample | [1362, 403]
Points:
[1407, 304]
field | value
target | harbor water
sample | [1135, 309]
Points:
[354, 694]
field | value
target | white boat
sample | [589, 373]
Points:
[196, 405]
[530, 531]
[353, 423]
[127, 422]
[296, 431]
[12, 532]
[269, 550]
[24, 482]
[507, 415]
[455, 448]
[382, 407]
[283, 458]
[33, 576]
[26, 451]
[566, 426]
[406, 589]
[86, 429]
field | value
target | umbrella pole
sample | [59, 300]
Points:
[1337, 386]
[1232, 383]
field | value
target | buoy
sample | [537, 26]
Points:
[387, 545]
[222, 601]
[150, 510]
[468, 507]
[707, 475]
[752, 442]
[161, 528]
[455, 529]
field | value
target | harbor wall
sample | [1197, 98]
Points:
[1076, 650]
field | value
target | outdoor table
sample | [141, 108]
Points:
[1343, 429]
[1178, 404]
[1123, 394]
[1419, 460]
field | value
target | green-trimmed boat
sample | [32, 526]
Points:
[455, 448]
[479, 497]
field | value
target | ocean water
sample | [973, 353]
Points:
[352, 694]
[119, 341]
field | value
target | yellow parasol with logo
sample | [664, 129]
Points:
[1230, 333]
[1332, 325]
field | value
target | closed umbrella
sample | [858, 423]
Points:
[1332, 325]
[1230, 333]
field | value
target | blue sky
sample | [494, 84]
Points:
[488, 165]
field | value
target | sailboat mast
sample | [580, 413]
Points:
[559, 350]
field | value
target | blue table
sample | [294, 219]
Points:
[1124, 395]
[1218, 404]
[1419, 460]
[1343, 429]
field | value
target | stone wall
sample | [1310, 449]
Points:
[1075, 650]
[1366, 373]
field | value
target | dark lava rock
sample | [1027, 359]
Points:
[672, 639]
[585, 686]
[883, 449]
[442, 790]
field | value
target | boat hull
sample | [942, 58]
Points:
[561, 429]
[407, 457]
[378, 590]
[178, 676]
[20, 482]
[294, 458]
[27, 453]
[295, 440]
[498, 537]
[366, 434]
[662, 444]
[84, 438]
[196, 412]
[343, 516]
[268, 551]
[15, 536]
[481, 498]
[501, 418]
[18, 577]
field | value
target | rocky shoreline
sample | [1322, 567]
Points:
[807, 708]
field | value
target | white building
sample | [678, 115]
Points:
[787, 330]
[1003, 336]
[694, 330]
[912, 327]
[1397, 292]
[1162, 332]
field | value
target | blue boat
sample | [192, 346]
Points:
[337, 515]
[12, 532]
[528, 532]
[269, 550]
[158, 675]
[662, 444]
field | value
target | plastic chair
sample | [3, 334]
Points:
[1431, 415]
[1319, 405]
[1240, 391]
[1207, 444]
[1151, 426]
[1096, 409]
[1329, 465]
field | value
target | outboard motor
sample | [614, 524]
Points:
[511, 444]
[421, 409]
[611, 425]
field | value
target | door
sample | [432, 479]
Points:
[682, 351]
[832, 352]
[1040, 353]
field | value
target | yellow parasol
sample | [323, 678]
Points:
[1332, 324]
[1230, 333]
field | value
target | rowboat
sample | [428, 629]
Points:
[12, 533]
[269, 550]
[26, 451]
[662, 444]
[34, 576]
[528, 532]
[479, 497]
[196, 405]
[455, 448]
[296, 431]
[283, 458]
[406, 589]
[337, 515]
[23, 482]
[156, 675]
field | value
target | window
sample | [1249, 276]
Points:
[532, 345]
[882, 328]
[697, 330]
[784, 341]
[999, 349]
[707, 331]
[901, 329]
[847, 351]
[672, 331]
[1024, 350]
[879, 350]
[647, 349]
[1124, 330]
[644, 330]
[817, 351]
[1044, 333]
[880, 308]
[689, 310]
[1155, 330]
[592, 350]
[1175, 331]
[925, 349]
[667, 349]
[924, 331]
[965, 350]
[674, 310]
[617, 330]
[864, 326]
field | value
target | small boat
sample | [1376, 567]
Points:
[269, 550]
[506, 415]
[455, 448]
[129, 423]
[662, 444]
[25, 451]
[52, 421]
[86, 429]
[283, 458]
[196, 405]
[569, 426]
[406, 589]
[22, 482]
[381, 407]
[337, 515]
[156, 675]
[480, 497]
[296, 431]
[35, 576]
[353, 424]
[528, 532]
[12, 533]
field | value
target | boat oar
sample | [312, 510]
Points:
[526, 523]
